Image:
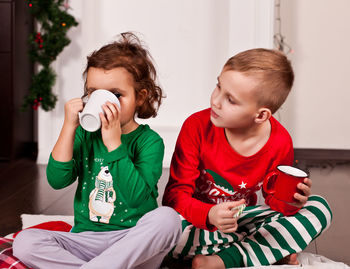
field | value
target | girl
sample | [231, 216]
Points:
[116, 223]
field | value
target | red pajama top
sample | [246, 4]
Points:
[205, 170]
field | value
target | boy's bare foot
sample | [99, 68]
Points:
[210, 262]
[292, 259]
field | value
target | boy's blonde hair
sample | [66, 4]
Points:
[271, 68]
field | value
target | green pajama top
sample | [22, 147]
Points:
[115, 189]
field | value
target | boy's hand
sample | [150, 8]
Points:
[111, 129]
[71, 109]
[221, 216]
[306, 190]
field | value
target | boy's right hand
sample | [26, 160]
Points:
[71, 109]
[221, 216]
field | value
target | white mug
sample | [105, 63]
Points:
[89, 118]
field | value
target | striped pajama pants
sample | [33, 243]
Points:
[263, 236]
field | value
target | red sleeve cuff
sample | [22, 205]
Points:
[204, 224]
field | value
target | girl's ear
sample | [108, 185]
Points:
[263, 115]
[141, 97]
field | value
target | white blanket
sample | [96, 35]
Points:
[29, 220]
[309, 261]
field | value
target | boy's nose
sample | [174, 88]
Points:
[216, 100]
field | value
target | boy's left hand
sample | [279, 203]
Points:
[111, 129]
[305, 188]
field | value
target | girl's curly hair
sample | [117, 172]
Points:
[128, 52]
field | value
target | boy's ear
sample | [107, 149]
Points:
[263, 115]
[141, 97]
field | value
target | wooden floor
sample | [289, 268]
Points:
[24, 189]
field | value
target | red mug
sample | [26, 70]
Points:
[282, 183]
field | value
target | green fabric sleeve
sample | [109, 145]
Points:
[137, 178]
[62, 174]
[117, 154]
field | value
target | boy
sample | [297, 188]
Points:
[221, 158]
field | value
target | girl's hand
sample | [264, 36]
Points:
[305, 188]
[221, 216]
[71, 109]
[111, 129]
[63, 149]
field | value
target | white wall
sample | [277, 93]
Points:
[316, 112]
[190, 40]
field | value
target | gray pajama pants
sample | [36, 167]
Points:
[142, 246]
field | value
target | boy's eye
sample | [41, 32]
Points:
[117, 94]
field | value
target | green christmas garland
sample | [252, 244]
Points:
[45, 45]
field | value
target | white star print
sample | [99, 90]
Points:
[242, 186]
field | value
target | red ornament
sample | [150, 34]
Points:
[39, 40]
[37, 103]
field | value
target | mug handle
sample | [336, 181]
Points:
[269, 182]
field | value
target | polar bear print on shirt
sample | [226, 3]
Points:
[102, 197]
